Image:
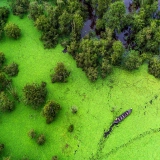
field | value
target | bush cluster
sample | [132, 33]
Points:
[35, 94]
[60, 73]
[40, 139]
[12, 30]
[50, 111]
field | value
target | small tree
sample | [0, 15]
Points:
[35, 94]
[41, 139]
[32, 134]
[5, 103]
[61, 74]
[12, 30]
[50, 111]
[132, 60]
[12, 69]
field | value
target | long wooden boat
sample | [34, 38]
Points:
[122, 116]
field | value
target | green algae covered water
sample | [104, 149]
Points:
[135, 138]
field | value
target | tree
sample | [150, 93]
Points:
[41, 139]
[4, 82]
[35, 10]
[115, 15]
[4, 13]
[12, 69]
[154, 66]
[2, 59]
[50, 111]
[20, 7]
[132, 60]
[35, 94]
[5, 103]
[60, 73]
[12, 31]
[42, 23]
[118, 50]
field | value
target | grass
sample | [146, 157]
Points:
[122, 90]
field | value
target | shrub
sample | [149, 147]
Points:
[41, 139]
[5, 103]
[50, 111]
[71, 128]
[35, 94]
[2, 59]
[61, 74]
[12, 69]
[13, 92]
[32, 134]
[7, 158]
[12, 30]
[74, 109]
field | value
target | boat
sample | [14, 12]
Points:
[122, 116]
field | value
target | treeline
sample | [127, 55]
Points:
[62, 21]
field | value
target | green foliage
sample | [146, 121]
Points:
[20, 7]
[2, 59]
[35, 94]
[41, 139]
[115, 15]
[154, 66]
[71, 128]
[11, 69]
[6, 105]
[4, 82]
[12, 30]
[132, 60]
[60, 73]
[50, 111]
